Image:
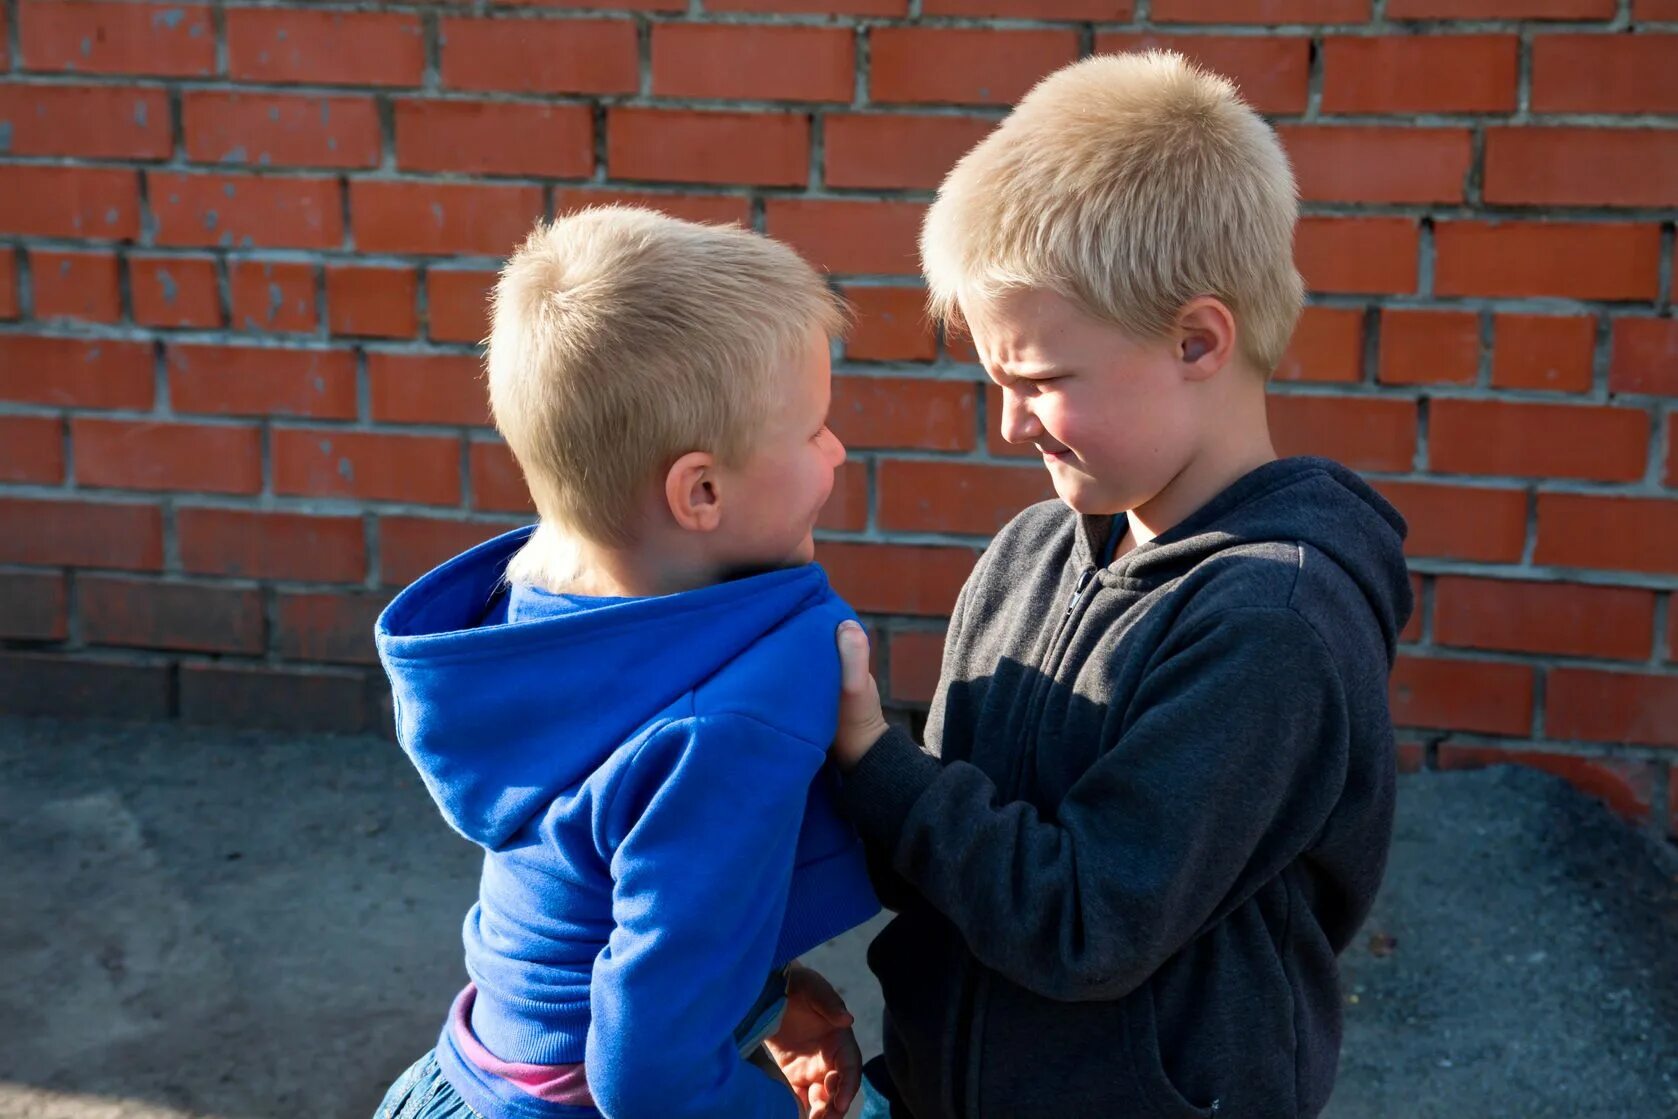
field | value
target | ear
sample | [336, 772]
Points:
[1205, 338]
[690, 491]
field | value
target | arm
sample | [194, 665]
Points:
[699, 891]
[1233, 754]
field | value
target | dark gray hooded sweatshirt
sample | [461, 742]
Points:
[1154, 805]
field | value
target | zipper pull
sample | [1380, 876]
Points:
[1084, 578]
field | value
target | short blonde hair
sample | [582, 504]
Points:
[622, 338]
[1129, 184]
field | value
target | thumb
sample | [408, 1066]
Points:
[853, 657]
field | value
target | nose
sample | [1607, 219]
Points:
[836, 449]
[1019, 425]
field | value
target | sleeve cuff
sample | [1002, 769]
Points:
[878, 794]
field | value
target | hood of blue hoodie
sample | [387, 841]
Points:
[499, 719]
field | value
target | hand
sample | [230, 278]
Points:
[861, 722]
[815, 1048]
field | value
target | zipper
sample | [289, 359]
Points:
[1084, 578]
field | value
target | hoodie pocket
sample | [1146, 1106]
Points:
[1142, 1041]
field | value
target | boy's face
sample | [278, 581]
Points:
[773, 499]
[1111, 416]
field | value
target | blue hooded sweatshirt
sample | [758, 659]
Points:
[647, 779]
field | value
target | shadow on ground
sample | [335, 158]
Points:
[252, 926]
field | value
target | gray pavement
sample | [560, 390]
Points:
[237, 925]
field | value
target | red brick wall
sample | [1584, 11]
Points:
[243, 250]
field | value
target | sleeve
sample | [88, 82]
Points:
[700, 881]
[1233, 755]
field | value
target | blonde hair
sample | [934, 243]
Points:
[1128, 184]
[620, 340]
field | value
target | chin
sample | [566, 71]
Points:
[1087, 498]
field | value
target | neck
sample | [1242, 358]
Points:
[1235, 450]
[645, 569]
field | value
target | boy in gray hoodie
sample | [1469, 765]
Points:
[1155, 797]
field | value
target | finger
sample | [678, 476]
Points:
[839, 1093]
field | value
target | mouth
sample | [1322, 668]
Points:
[1055, 454]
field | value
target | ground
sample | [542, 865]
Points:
[239, 925]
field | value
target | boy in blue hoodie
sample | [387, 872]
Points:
[628, 706]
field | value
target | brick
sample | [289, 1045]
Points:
[1556, 618]
[428, 389]
[497, 483]
[1598, 706]
[896, 578]
[1615, 533]
[1377, 255]
[814, 7]
[1581, 167]
[245, 210]
[33, 606]
[1361, 163]
[540, 56]
[264, 545]
[1604, 73]
[1500, 9]
[849, 237]
[1462, 695]
[76, 373]
[261, 381]
[1480, 524]
[80, 202]
[273, 296]
[1272, 73]
[1362, 432]
[73, 285]
[1410, 756]
[1671, 633]
[88, 122]
[1429, 347]
[372, 301]
[81, 534]
[442, 219]
[1672, 451]
[325, 48]
[1577, 260]
[846, 509]
[1649, 11]
[1327, 345]
[917, 657]
[457, 302]
[1553, 352]
[166, 40]
[689, 207]
[1644, 357]
[1625, 785]
[280, 130]
[1261, 11]
[495, 138]
[1538, 440]
[887, 152]
[274, 698]
[148, 614]
[175, 291]
[1420, 74]
[411, 546]
[877, 413]
[920, 496]
[320, 626]
[891, 325]
[679, 145]
[82, 688]
[424, 469]
[125, 454]
[973, 66]
[753, 62]
[32, 449]
[1100, 10]
[9, 307]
